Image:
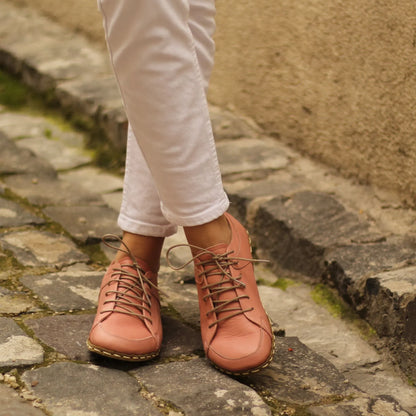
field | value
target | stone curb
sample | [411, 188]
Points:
[300, 216]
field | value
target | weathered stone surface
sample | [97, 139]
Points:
[227, 125]
[388, 302]
[86, 223]
[295, 311]
[17, 125]
[178, 338]
[362, 406]
[300, 376]
[296, 231]
[14, 215]
[93, 180]
[14, 302]
[39, 248]
[182, 297]
[355, 261]
[16, 348]
[384, 380]
[67, 334]
[86, 95]
[56, 153]
[249, 155]
[15, 160]
[113, 200]
[11, 404]
[198, 389]
[69, 389]
[46, 190]
[279, 183]
[73, 289]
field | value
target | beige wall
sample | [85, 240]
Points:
[335, 79]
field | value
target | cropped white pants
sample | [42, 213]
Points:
[162, 55]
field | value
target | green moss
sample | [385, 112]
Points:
[13, 94]
[283, 283]
[94, 252]
[325, 297]
[338, 308]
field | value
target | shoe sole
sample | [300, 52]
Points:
[251, 370]
[119, 356]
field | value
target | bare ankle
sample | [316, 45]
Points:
[206, 235]
[146, 248]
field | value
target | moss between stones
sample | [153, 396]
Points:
[283, 283]
[15, 96]
[338, 308]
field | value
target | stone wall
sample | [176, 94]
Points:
[336, 80]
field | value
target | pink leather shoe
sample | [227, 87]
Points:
[127, 325]
[236, 332]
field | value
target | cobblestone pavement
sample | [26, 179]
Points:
[54, 206]
[314, 226]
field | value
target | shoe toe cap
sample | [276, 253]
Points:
[113, 340]
[241, 354]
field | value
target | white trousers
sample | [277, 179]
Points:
[162, 55]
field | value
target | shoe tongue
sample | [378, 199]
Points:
[206, 253]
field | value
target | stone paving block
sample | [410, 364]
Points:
[198, 389]
[86, 224]
[69, 389]
[295, 311]
[249, 155]
[295, 231]
[12, 405]
[16, 125]
[356, 261]
[56, 153]
[383, 380]
[15, 160]
[93, 180]
[46, 190]
[14, 215]
[113, 200]
[40, 248]
[361, 406]
[72, 289]
[298, 375]
[113, 120]
[279, 183]
[389, 303]
[227, 125]
[178, 338]
[182, 297]
[16, 348]
[88, 95]
[67, 334]
[15, 302]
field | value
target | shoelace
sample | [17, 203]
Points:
[218, 265]
[131, 293]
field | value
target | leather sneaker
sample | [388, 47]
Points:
[236, 332]
[127, 325]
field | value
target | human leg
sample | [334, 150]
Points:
[161, 82]
[169, 116]
[141, 217]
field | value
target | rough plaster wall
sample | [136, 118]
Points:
[334, 79]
